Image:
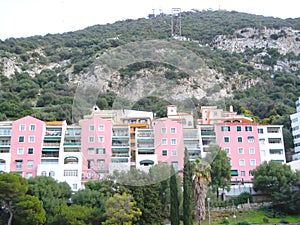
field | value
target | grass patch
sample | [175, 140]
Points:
[251, 216]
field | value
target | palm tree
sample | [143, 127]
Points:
[201, 179]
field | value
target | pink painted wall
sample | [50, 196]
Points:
[37, 133]
[233, 145]
[167, 124]
[86, 134]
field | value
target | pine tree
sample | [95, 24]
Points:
[187, 191]
[175, 220]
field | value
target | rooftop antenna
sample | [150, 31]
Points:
[176, 22]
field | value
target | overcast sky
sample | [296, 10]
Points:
[23, 18]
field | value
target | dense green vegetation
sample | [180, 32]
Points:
[48, 93]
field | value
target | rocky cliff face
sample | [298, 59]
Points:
[201, 82]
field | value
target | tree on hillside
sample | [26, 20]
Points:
[12, 188]
[76, 215]
[29, 211]
[187, 191]
[53, 194]
[121, 209]
[220, 171]
[281, 183]
[201, 180]
[175, 217]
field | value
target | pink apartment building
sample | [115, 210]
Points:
[26, 145]
[96, 141]
[241, 142]
[168, 142]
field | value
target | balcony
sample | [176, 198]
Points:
[119, 143]
[208, 133]
[147, 151]
[5, 144]
[145, 145]
[72, 143]
[145, 134]
[5, 132]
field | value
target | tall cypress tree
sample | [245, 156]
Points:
[187, 190]
[175, 219]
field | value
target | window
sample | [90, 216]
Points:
[90, 163]
[226, 139]
[31, 139]
[225, 128]
[51, 173]
[174, 152]
[90, 151]
[92, 128]
[163, 130]
[100, 150]
[28, 175]
[227, 150]
[175, 165]
[32, 127]
[251, 151]
[90, 175]
[164, 141]
[19, 164]
[173, 141]
[242, 162]
[240, 139]
[91, 139]
[173, 130]
[100, 163]
[30, 151]
[238, 128]
[260, 130]
[21, 138]
[44, 173]
[263, 152]
[20, 151]
[252, 162]
[248, 128]
[262, 141]
[70, 173]
[101, 127]
[22, 127]
[30, 164]
[101, 139]
[164, 152]
[250, 139]
[243, 173]
[241, 150]
[74, 187]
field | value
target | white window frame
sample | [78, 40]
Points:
[101, 127]
[20, 151]
[252, 162]
[91, 139]
[173, 141]
[173, 152]
[164, 141]
[173, 130]
[252, 151]
[22, 127]
[242, 162]
[241, 151]
[31, 139]
[101, 139]
[32, 127]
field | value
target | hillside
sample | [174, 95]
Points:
[226, 58]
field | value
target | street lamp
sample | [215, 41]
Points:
[208, 209]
